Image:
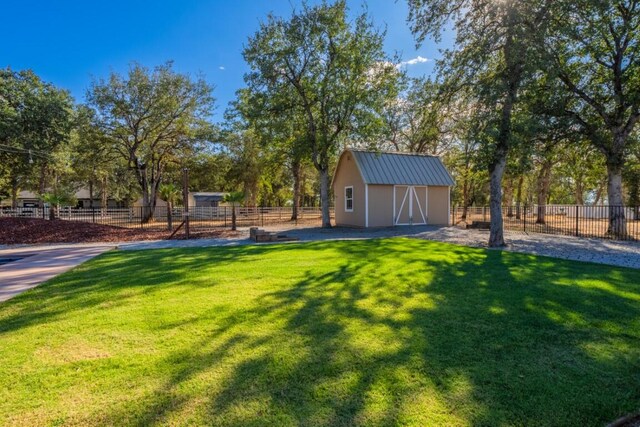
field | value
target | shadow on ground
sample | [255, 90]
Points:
[375, 332]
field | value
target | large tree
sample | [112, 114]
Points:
[420, 120]
[35, 120]
[152, 117]
[594, 48]
[495, 56]
[97, 166]
[337, 71]
[280, 128]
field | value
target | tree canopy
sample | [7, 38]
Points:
[332, 70]
[152, 117]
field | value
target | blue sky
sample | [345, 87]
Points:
[69, 42]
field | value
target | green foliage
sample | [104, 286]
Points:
[494, 59]
[96, 163]
[248, 163]
[332, 72]
[152, 118]
[632, 179]
[592, 48]
[35, 122]
[234, 198]
[170, 193]
[208, 170]
[421, 120]
[61, 197]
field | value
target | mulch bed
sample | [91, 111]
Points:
[30, 230]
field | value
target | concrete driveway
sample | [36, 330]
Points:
[29, 266]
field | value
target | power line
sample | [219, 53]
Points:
[18, 150]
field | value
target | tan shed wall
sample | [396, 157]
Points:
[438, 205]
[347, 174]
[380, 205]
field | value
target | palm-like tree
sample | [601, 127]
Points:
[235, 198]
[55, 200]
[170, 193]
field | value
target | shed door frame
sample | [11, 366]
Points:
[409, 195]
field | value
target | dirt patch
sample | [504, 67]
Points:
[30, 231]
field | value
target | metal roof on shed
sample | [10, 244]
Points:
[401, 169]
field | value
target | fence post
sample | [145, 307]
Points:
[577, 221]
[524, 215]
[93, 214]
[484, 214]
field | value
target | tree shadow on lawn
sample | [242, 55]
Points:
[390, 337]
[398, 331]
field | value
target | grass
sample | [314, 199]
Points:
[376, 332]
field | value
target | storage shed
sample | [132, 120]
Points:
[382, 189]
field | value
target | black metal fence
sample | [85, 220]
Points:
[569, 220]
[200, 218]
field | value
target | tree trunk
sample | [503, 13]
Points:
[579, 192]
[598, 197]
[465, 196]
[324, 197]
[42, 184]
[633, 193]
[508, 196]
[104, 199]
[512, 76]
[149, 191]
[52, 212]
[149, 201]
[233, 217]
[251, 193]
[14, 193]
[90, 193]
[146, 208]
[496, 235]
[617, 220]
[519, 197]
[295, 169]
[497, 167]
[542, 209]
[544, 183]
[169, 215]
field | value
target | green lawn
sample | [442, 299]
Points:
[377, 332]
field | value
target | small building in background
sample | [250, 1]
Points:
[383, 189]
[206, 199]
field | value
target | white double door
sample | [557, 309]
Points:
[409, 205]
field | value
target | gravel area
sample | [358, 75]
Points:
[623, 254]
[600, 251]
